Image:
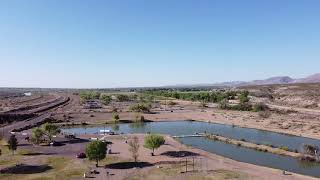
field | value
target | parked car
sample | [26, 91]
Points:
[81, 155]
[94, 172]
[54, 143]
[70, 136]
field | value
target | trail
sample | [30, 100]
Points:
[301, 110]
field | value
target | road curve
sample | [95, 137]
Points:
[43, 114]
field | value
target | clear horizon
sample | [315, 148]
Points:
[108, 44]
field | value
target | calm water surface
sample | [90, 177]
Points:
[226, 150]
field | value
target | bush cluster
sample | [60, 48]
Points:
[140, 108]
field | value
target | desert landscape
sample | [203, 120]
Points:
[159, 90]
[85, 115]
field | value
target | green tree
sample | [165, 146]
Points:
[12, 143]
[84, 96]
[50, 130]
[243, 97]
[223, 104]
[140, 108]
[115, 116]
[139, 118]
[122, 97]
[89, 95]
[37, 134]
[105, 99]
[96, 150]
[95, 95]
[134, 148]
[153, 141]
[260, 107]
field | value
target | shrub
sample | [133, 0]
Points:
[50, 130]
[285, 148]
[310, 149]
[122, 97]
[140, 108]
[89, 95]
[12, 143]
[243, 97]
[242, 107]
[265, 114]
[260, 107]
[270, 145]
[172, 103]
[115, 116]
[139, 118]
[105, 99]
[37, 134]
[224, 104]
[114, 109]
[134, 148]
[203, 105]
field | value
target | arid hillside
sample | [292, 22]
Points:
[295, 95]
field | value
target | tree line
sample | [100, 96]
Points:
[213, 97]
[96, 150]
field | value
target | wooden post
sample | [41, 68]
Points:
[186, 164]
[193, 164]
[207, 164]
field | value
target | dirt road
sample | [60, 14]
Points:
[301, 110]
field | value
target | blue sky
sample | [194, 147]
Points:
[123, 43]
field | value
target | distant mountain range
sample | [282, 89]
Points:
[315, 78]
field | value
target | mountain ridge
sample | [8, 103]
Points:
[314, 78]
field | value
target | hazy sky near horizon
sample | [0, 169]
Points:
[125, 43]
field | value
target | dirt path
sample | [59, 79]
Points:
[301, 110]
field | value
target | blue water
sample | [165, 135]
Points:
[227, 150]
